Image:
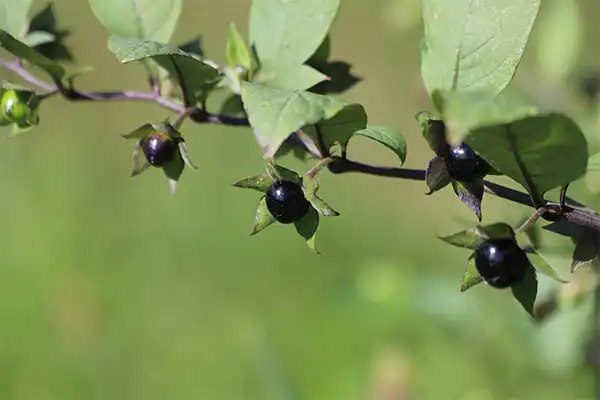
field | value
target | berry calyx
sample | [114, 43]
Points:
[501, 262]
[286, 202]
[159, 148]
[463, 164]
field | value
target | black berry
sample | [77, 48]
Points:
[464, 165]
[286, 201]
[501, 262]
[158, 148]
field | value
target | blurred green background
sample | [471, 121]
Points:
[112, 288]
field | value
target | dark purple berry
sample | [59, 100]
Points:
[464, 165]
[286, 201]
[501, 262]
[158, 148]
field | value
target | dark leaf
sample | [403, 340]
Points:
[307, 228]
[173, 171]
[433, 131]
[471, 194]
[586, 249]
[340, 79]
[526, 291]
[436, 175]
[193, 46]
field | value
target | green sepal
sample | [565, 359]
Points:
[139, 161]
[471, 194]
[263, 218]
[173, 170]
[525, 292]
[468, 239]
[498, 230]
[278, 172]
[471, 276]
[311, 186]
[433, 131]
[436, 175]
[541, 265]
[183, 151]
[139, 133]
[257, 182]
[307, 228]
[587, 248]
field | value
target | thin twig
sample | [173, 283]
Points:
[319, 166]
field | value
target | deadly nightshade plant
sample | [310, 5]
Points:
[161, 146]
[288, 198]
[18, 107]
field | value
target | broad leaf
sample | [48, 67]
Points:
[257, 182]
[14, 17]
[526, 291]
[193, 74]
[388, 137]
[237, 52]
[288, 33]
[471, 276]
[262, 218]
[471, 194]
[142, 19]
[468, 239]
[274, 114]
[300, 77]
[510, 137]
[474, 44]
[307, 228]
[436, 175]
[26, 53]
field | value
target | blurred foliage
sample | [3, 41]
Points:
[113, 289]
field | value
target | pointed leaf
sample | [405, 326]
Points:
[26, 53]
[287, 33]
[541, 265]
[257, 182]
[474, 45]
[186, 156]
[387, 136]
[278, 172]
[142, 19]
[237, 50]
[275, 113]
[191, 71]
[471, 194]
[173, 171]
[297, 77]
[586, 249]
[468, 239]
[140, 164]
[436, 175]
[262, 218]
[14, 17]
[526, 291]
[340, 78]
[471, 276]
[311, 186]
[307, 228]
[498, 230]
[433, 131]
[140, 132]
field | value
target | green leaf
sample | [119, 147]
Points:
[471, 194]
[257, 182]
[298, 77]
[274, 114]
[526, 291]
[433, 131]
[288, 33]
[14, 17]
[474, 45]
[278, 172]
[498, 230]
[510, 137]
[192, 72]
[471, 276]
[307, 228]
[311, 186]
[321, 55]
[38, 38]
[173, 171]
[436, 175]
[142, 19]
[140, 132]
[560, 36]
[468, 239]
[25, 53]
[262, 218]
[237, 50]
[388, 137]
[587, 248]
[541, 265]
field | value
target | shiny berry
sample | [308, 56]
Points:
[464, 165]
[158, 148]
[501, 262]
[286, 201]
[16, 106]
